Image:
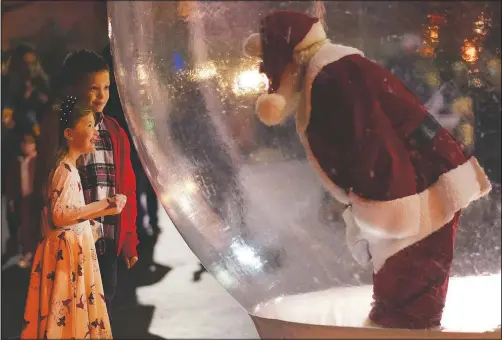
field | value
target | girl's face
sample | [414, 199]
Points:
[83, 137]
[95, 91]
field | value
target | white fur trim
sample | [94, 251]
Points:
[252, 45]
[359, 246]
[427, 211]
[270, 109]
[327, 54]
[392, 226]
[315, 35]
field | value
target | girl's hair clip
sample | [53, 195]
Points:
[66, 108]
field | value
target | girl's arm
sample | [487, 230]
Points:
[64, 212]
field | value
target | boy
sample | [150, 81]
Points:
[108, 170]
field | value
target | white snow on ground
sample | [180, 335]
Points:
[472, 305]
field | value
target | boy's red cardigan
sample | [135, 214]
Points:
[125, 184]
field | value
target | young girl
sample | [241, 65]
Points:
[65, 296]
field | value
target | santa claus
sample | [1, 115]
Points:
[377, 150]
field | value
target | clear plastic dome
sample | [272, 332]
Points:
[243, 195]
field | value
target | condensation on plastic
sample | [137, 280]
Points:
[242, 195]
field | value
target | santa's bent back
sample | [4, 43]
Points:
[403, 178]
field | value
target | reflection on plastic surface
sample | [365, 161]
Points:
[241, 194]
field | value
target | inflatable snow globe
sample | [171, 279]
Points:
[256, 174]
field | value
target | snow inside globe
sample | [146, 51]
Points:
[260, 127]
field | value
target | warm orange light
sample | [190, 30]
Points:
[436, 19]
[482, 24]
[469, 52]
[204, 71]
[186, 8]
[431, 34]
[427, 50]
[434, 34]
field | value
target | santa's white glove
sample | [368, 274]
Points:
[358, 246]
[360, 252]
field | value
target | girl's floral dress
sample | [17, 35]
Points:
[65, 297]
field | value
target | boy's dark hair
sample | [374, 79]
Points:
[79, 64]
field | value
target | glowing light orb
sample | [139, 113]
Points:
[204, 72]
[250, 82]
[469, 52]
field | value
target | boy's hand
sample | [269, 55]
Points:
[11, 205]
[131, 261]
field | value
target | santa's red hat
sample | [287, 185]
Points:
[282, 33]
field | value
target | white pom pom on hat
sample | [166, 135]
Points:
[270, 109]
[286, 32]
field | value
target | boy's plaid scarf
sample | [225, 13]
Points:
[97, 172]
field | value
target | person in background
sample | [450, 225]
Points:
[14, 73]
[107, 170]
[27, 87]
[25, 97]
[19, 190]
[9, 154]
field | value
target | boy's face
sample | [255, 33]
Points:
[95, 91]
[28, 148]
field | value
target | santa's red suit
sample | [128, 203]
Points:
[403, 177]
